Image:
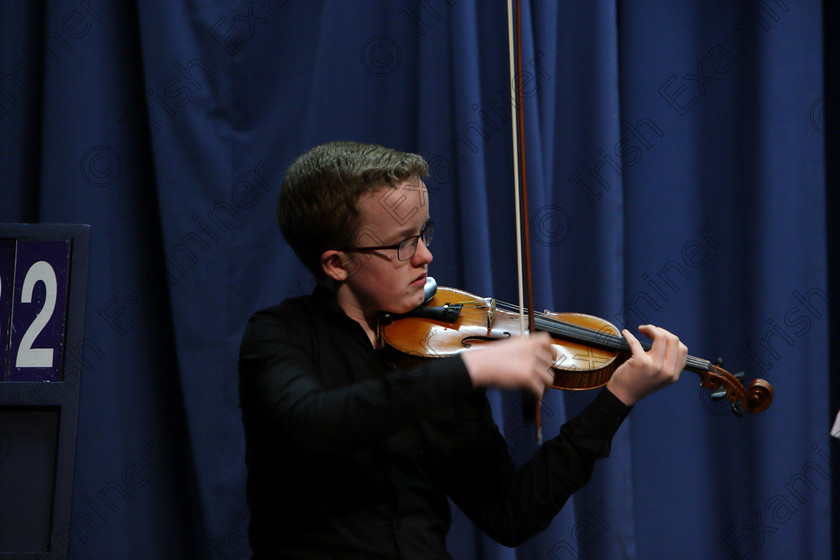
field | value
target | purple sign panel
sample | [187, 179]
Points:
[39, 310]
[7, 269]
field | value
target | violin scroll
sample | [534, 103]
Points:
[754, 399]
[759, 395]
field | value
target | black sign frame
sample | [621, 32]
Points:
[38, 419]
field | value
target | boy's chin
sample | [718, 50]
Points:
[407, 306]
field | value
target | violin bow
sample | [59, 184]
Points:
[520, 184]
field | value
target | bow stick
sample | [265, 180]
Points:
[520, 183]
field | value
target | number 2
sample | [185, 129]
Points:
[28, 356]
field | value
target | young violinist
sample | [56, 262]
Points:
[349, 457]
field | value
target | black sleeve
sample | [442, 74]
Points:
[282, 392]
[511, 504]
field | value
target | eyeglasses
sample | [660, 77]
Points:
[406, 248]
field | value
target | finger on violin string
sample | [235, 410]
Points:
[668, 348]
[680, 355]
[664, 342]
[632, 342]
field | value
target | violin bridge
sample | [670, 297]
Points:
[491, 311]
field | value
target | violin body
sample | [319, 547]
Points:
[587, 349]
[576, 366]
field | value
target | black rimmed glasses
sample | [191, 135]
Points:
[408, 246]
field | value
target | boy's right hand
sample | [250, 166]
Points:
[515, 363]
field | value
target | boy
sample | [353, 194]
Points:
[349, 457]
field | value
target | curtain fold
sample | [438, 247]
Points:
[677, 176]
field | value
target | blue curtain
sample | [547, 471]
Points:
[677, 174]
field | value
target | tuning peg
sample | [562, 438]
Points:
[719, 362]
[739, 376]
[738, 409]
[719, 393]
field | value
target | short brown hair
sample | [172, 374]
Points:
[317, 207]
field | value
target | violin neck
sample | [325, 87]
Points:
[604, 340]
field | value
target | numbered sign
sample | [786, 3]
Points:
[43, 284]
[33, 303]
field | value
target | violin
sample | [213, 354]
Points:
[587, 349]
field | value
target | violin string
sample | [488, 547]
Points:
[600, 339]
[587, 336]
[555, 326]
[580, 334]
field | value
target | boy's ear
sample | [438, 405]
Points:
[338, 265]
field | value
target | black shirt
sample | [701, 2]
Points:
[349, 458]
